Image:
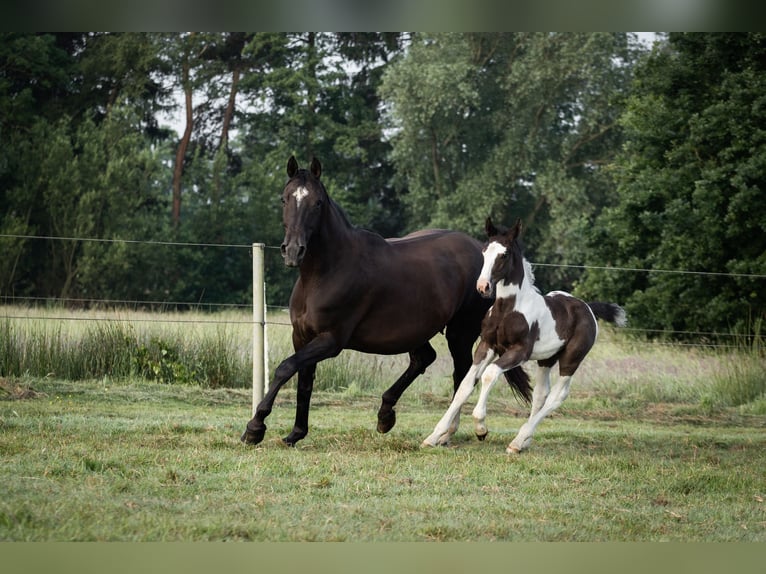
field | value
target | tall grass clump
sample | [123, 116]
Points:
[741, 380]
[82, 346]
[30, 349]
[104, 349]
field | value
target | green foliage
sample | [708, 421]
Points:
[690, 189]
[158, 360]
[509, 125]
[414, 130]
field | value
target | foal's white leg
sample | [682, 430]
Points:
[541, 390]
[488, 379]
[441, 434]
[447, 424]
[524, 437]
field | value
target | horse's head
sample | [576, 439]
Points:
[302, 201]
[503, 258]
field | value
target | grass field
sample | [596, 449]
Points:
[650, 446]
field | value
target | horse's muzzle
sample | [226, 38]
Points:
[484, 288]
[293, 253]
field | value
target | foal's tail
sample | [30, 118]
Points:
[518, 379]
[610, 312]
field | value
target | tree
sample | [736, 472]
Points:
[34, 84]
[690, 188]
[317, 97]
[80, 127]
[509, 125]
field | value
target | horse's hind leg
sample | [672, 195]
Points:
[420, 358]
[461, 334]
[558, 394]
[541, 390]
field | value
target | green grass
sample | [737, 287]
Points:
[655, 443]
[102, 460]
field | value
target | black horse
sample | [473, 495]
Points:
[357, 290]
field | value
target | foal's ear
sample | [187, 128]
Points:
[315, 168]
[490, 228]
[516, 229]
[292, 166]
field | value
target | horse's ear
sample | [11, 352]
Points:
[516, 230]
[316, 168]
[490, 228]
[292, 166]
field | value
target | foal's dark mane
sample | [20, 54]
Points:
[515, 273]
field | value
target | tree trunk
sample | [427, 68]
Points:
[229, 114]
[178, 171]
[221, 159]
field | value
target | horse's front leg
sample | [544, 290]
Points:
[318, 349]
[447, 424]
[303, 401]
[507, 361]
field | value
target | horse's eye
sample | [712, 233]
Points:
[318, 204]
[283, 200]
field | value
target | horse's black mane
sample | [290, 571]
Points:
[304, 174]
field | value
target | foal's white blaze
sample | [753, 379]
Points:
[491, 253]
[299, 194]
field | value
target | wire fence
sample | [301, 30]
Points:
[705, 339]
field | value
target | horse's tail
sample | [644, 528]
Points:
[610, 312]
[518, 379]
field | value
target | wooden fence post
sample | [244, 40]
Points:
[259, 326]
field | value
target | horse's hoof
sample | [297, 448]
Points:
[251, 436]
[386, 422]
[292, 438]
[438, 442]
[481, 437]
[513, 449]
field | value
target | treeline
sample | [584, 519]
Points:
[613, 155]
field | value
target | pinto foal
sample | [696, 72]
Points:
[523, 325]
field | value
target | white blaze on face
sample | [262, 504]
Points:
[491, 253]
[299, 194]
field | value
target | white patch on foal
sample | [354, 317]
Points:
[299, 194]
[491, 252]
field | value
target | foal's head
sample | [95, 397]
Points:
[503, 259]
[302, 201]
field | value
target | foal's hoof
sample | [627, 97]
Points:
[251, 436]
[518, 446]
[386, 421]
[436, 440]
[481, 437]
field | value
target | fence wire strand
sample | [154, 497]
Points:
[277, 308]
